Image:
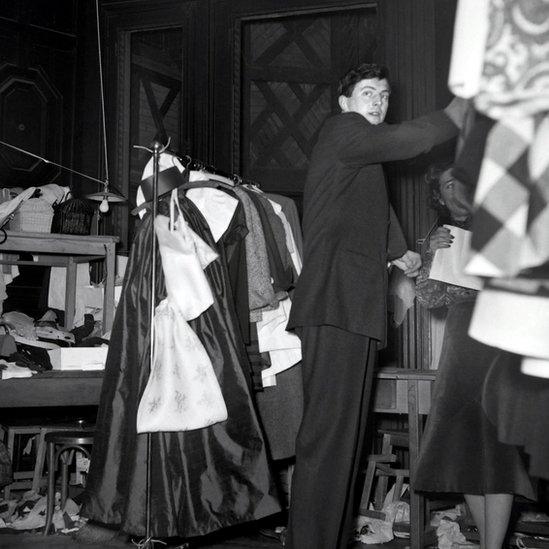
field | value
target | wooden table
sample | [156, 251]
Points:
[407, 391]
[66, 250]
[398, 391]
[52, 389]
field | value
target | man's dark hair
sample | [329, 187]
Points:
[356, 74]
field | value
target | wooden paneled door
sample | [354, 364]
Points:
[286, 67]
[155, 67]
[155, 99]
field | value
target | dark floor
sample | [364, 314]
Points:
[257, 541]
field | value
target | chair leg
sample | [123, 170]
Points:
[65, 458]
[10, 444]
[399, 484]
[39, 464]
[367, 488]
[381, 487]
[50, 501]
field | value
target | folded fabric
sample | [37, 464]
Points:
[295, 255]
[471, 30]
[513, 315]
[10, 370]
[281, 360]
[58, 287]
[271, 330]
[184, 257]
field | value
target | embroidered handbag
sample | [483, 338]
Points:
[182, 392]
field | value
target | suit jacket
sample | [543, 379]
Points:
[350, 231]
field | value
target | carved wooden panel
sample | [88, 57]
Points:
[37, 88]
[155, 103]
[152, 89]
[289, 69]
[31, 119]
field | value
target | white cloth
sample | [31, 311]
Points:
[11, 370]
[470, 35]
[7, 274]
[515, 322]
[284, 347]
[184, 256]
[9, 207]
[182, 392]
[57, 287]
[54, 194]
[290, 240]
[538, 367]
[216, 206]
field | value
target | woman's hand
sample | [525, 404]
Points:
[441, 238]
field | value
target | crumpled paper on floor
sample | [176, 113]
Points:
[372, 530]
[450, 537]
[30, 513]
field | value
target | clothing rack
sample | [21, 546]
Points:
[199, 165]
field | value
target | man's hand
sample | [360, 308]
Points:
[410, 263]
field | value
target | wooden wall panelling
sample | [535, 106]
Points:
[122, 21]
[229, 20]
[37, 86]
[415, 34]
[88, 147]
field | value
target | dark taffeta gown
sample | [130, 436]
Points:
[201, 480]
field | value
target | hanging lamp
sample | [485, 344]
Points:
[105, 195]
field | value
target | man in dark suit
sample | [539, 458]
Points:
[339, 308]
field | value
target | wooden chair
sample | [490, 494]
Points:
[61, 447]
[380, 467]
[33, 478]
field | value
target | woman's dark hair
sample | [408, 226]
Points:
[432, 177]
[355, 75]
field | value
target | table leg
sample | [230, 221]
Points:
[70, 294]
[417, 501]
[108, 290]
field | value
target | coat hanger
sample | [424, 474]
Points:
[209, 172]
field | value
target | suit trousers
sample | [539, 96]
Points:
[338, 368]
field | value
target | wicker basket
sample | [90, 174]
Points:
[73, 216]
[34, 215]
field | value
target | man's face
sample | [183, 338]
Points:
[370, 98]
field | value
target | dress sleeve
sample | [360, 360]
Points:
[362, 143]
[432, 294]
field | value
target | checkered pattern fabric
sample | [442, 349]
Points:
[511, 220]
